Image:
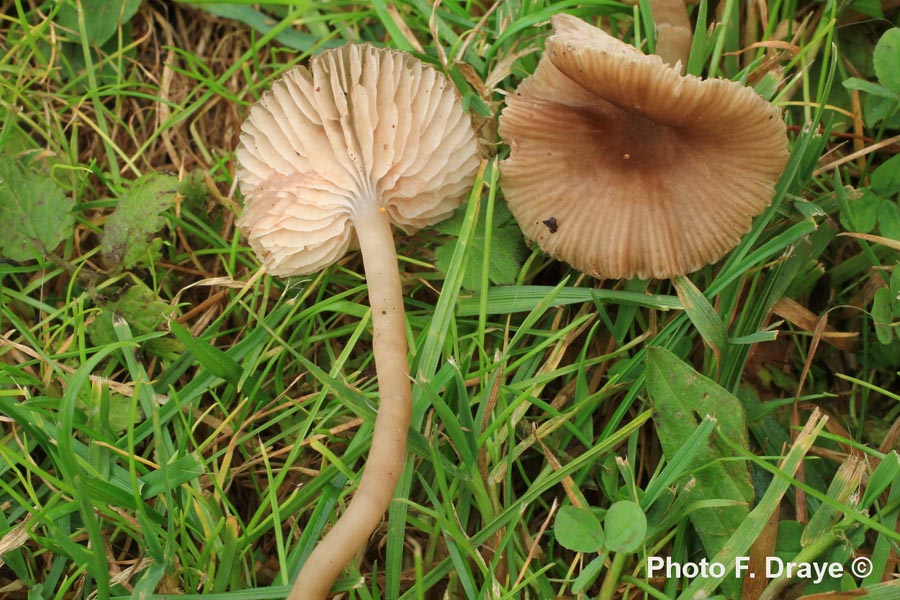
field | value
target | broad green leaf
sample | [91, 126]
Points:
[115, 407]
[144, 312]
[101, 18]
[895, 291]
[681, 398]
[660, 484]
[788, 539]
[889, 220]
[854, 83]
[886, 178]
[128, 237]
[578, 529]
[35, 214]
[755, 521]
[863, 213]
[507, 248]
[626, 526]
[877, 109]
[887, 59]
[193, 190]
[882, 315]
[871, 8]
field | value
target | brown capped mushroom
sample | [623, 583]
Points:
[644, 172]
[334, 155]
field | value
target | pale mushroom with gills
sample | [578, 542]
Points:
[643, 172]
[335, 154]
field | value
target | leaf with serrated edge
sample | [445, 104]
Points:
[36, 214]
[681, 397]
[129, 235]
[144, 312]
[507, 248]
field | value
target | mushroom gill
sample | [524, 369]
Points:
[645, 172]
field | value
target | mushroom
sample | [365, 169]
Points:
[641, 171]
[673, 31]
[332, 156]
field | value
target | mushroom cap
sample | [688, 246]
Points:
[361, 129]
[622, 167]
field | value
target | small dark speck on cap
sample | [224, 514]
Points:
[551, 224]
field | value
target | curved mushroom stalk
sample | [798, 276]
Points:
[364, 139]
[388, 452]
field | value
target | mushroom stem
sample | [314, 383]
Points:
[388, 451]
[673, 31]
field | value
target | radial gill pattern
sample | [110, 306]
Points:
[362, 127]
[641, 171]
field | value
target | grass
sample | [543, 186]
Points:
[176, 422]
